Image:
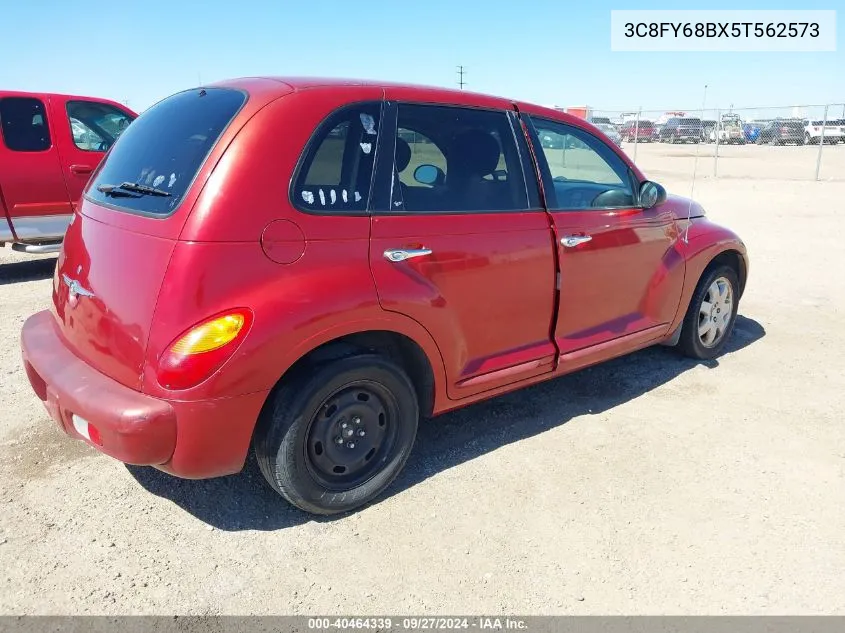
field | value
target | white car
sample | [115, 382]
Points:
[611, 133]
[833, 132]
[729, 131]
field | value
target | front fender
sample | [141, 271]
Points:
[702, 242]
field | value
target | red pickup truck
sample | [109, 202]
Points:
[49, 145]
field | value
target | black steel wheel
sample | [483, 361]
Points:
[334, 436]
[350, 435]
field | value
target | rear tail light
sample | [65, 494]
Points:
[202, 350]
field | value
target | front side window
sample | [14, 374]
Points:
[336, 172]
[160, 153]
[585, 172]
[23, 122]
[96, 126]
[456, 160]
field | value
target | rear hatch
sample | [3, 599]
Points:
[689, 127]
[118, 245]
[791, 129]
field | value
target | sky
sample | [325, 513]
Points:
[550, 52]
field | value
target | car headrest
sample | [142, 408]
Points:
[473, 153]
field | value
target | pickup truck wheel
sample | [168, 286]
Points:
[335, 437]
[711, 314]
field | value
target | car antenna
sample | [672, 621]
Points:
[694, 168]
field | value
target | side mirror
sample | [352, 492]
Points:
[651, 194]
[429, 175]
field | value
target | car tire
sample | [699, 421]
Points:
[334, 437]
[705, 331]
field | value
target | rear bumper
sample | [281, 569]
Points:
[187, 439]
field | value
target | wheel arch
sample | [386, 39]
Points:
[709, 245]
[399, 348]
[407, 344]
[736, 260]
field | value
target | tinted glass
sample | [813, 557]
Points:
[423, 152]
[451, 159]
[96, 126]
[585, 172]
[23, 122]
[165, 148]
[337, 168]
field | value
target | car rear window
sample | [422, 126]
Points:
[690, 121]
[164, 148]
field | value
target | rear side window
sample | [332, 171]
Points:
[456, 160]
[96, 126]
[23, 121]
[336, 171]
[164, 148]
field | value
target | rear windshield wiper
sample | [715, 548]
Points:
[128, 188]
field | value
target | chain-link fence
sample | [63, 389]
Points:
[802, 142]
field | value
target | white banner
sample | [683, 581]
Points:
[723, 30]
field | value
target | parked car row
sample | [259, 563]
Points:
[729, 130]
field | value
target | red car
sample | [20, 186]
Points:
[642, 130]
[49, 146]
[307, 267]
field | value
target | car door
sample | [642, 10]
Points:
[621, 270]
[34, 192]
[460, 242]
[90, 128]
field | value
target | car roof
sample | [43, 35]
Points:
[287, 84]
[62, 96]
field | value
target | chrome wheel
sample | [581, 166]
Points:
[714, 314]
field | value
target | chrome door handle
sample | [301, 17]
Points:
[575, 240]
[401, 254]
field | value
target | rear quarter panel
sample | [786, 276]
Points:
[327, 293]
[324, 292]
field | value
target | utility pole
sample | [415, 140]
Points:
[461, 82]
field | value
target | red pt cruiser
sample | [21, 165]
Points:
[306, 267]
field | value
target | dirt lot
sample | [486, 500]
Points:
[650, 484]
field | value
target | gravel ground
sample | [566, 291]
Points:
[650, 484]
